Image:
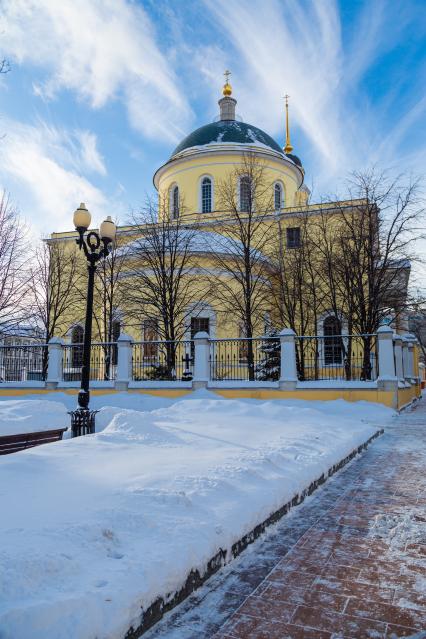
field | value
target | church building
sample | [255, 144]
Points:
[234, 207]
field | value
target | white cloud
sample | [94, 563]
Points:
[42, 166]
[286, 49]
[298, 48]
[89, 152]
[102, 50]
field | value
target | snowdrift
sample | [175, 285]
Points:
[97, 528]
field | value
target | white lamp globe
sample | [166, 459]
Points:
[108, 229]
[82, 217]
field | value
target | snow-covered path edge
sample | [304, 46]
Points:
[195, 579]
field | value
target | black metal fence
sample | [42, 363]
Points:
[103, 362]
[23, 362]
[337, 357]
[243, 359]
[163, 361]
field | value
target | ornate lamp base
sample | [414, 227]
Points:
[82, 422]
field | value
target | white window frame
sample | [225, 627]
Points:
[282, 199]
[171, 201]
[200, 193]
[320, 333]
[71, 329]
[239, 194]
[202, 310]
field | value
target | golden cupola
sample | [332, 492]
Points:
[227, 104]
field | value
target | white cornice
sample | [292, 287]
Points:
[227, 149]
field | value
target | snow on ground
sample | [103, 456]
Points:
[21, 416]
[98, 526]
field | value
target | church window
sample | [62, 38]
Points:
[242, 346]
[333, 350]
[198, 325]
[293, 237]
[116, 329]
[206, 195]
[278, 197]
[150, 337]
[245, 194]
[175, 202]
[77, 336]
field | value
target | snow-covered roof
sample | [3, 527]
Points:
[227, 131]
[202, 242]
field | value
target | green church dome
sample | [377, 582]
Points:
[227, 131]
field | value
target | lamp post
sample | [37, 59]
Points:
[96, 247]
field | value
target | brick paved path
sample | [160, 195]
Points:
[349, 563]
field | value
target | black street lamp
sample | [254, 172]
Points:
[96, 247]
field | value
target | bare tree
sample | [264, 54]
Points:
[161, 285]
[109, 301]
[368, 262]
[53, 275]
[242, 285]
[297, 283]
[13, 270]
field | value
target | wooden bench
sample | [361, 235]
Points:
[14, 443]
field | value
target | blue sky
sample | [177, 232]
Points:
[101, 91]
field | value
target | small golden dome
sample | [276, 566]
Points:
[227, 89]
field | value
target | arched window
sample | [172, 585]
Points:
[278, 196]
[245, 193]
[77, 336]
[175, 202]
[116, 330]
[206, 195]
[333, 347]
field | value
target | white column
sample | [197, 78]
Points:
[411, 361]
[201, 360]
[386, 360]
[124, 362]
[54, 366]
[405, 360]
[288, 377]
[397, 345]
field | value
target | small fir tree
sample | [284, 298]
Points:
[268, 369]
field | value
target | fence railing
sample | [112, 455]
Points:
[243, 359]
[337, 357]
[163, 360]
[285, 358]
[23, 362]
[103, 362]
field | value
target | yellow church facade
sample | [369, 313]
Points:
[204, 189]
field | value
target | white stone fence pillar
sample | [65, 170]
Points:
[54, 366]
[397, 346]
[405, 360]
[386, 358]
[124, 362]
[288, 376]
[411, 358]
[201, 360]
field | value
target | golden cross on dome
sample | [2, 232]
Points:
[286, 97]
[227, 89]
